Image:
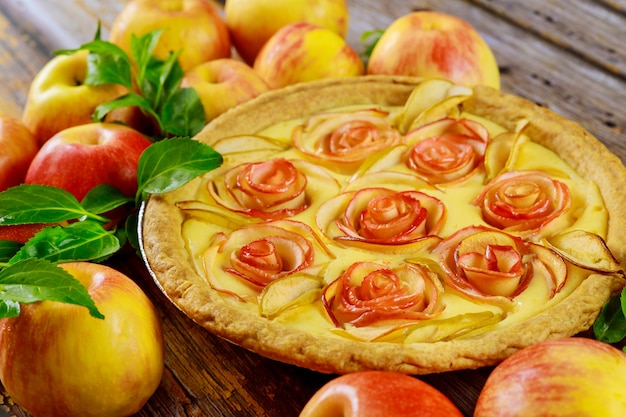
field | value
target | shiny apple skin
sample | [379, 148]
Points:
[435, 45]
[59, 99]
[56, 360]
[18, 147]
[562, 377]
[302, 52]
[82, 157]
[193, 27]
[378, 394]
[252, 23]
[223, 84]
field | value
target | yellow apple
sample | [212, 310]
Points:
[58, 360]
[573, 376]
[193, 27]
[18, 147]
[301, 52]
[59, 99]
[252, 23]
[435, 45]
[222, 84]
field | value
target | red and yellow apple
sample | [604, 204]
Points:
[59, 99]
[378, 394]
[82, 157]
[222, 84]
[58, 360]
[435, 45]
[561, 377]
[193, 27]
[18, 147]
[301, 52]
[252, 23]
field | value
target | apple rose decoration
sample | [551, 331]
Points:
[259, 254]
[269, 190]
[491, 265]
[447, 150]
[369, 293]
[346, 138]
[381, 216]
[523, 202]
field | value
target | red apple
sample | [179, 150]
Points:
[193, 26]
[18, 147]
[435, 45]
[379, 394]
[222, 84]
[302, 52]
[562, 377]
[57, 360]
[82, 157]
[20, 232]
[252, 23]
[58, 99]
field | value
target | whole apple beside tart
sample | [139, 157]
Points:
[392, 223]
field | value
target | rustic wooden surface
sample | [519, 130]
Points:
[568, 56]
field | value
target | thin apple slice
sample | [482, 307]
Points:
[433, 97]
[245, 148]
[552, 265]
[215, 214]
[503, 151]
[287, 292]
[586, 250]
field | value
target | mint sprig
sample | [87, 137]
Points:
[81, 231]
[154, 84]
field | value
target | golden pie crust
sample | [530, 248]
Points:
[170, 263]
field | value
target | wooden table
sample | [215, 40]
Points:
[568, 56]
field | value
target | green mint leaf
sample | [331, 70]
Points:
[106, 68]
[183, 114]
[128, 100]
[610, 326]
[132, 230]
[35, 280]
[162, 79]
[8, 249]
[80, 241]
[107, 63]
[33, 203]
[104, 198]
[141, 49]
[369, 39]
[166, 165]
[9, 308]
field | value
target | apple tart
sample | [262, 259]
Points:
[392, 223]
